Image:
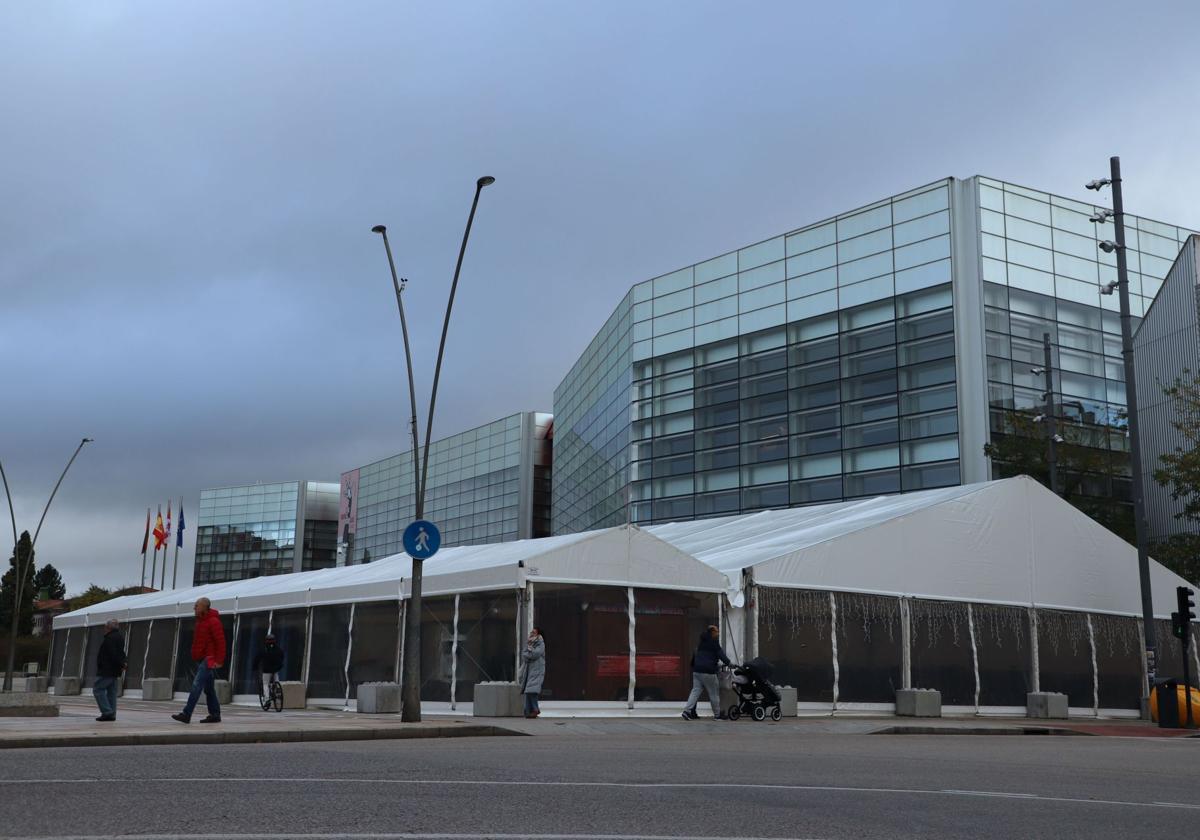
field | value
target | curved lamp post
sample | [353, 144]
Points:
[21, 574]
[411, 687]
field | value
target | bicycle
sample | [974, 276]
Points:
[272, 695]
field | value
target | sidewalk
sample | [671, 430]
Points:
[148, 723]
[142, 722]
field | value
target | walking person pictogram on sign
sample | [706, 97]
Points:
[421, 539]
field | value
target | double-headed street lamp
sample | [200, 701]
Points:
[21, 574]
[1117, 215]
[411, 685]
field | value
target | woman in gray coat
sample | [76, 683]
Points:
[534, 659]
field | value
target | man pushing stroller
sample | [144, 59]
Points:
[704, 674]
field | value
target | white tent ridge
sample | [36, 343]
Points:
[1006, 542]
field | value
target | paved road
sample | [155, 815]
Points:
[719, 783]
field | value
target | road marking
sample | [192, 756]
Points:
[490, 836]
[622, 785]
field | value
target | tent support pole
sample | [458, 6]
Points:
[175, 654]
[905, 642]
[518, 623]
[146, 655]
[529, 602]
[751, 616]
[349, 650]
[833, 646]
[974, 651]
[1095, 670]
[308, 624]
[632, 648]
[454, 656]
[62, 669]
[84, 651]
[237, 624]
[1035, 665]
[1141, 629]
[398, 676]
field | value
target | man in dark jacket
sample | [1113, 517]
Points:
[110, 664]
[208, 651]
[269, 662]
[704, 674]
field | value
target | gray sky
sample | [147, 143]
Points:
[186, 194]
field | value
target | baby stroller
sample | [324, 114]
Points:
[757, 697]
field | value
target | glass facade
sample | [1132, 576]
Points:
[488, 484]
[265, 529]
[847, 359]
[814, 366]
[1042, 273]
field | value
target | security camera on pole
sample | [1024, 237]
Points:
[1117, 215]
[425, 538]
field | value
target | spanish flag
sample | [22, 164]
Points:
[160, 533]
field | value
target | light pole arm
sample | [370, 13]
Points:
[412, 388]
[20, 575]
[437, 369]
[11, 514]
[53, 492]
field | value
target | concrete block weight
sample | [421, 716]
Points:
[224, 689]
[788, 705]
[498, 699]
[36, 685]
[295, 694]
[919, 702]
[1046, 704]
[156, 688]
[66, 686]
[379, 698]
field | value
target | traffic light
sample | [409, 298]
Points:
[1181, 621]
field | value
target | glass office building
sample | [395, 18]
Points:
[265, 529]
[874, 352]
[488, 484]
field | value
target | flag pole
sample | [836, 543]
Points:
[163, 577]
[178, 542]
[145, 541]
[154, 562]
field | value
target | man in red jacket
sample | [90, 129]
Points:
[208, 651]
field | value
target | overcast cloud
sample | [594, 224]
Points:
[186, 192]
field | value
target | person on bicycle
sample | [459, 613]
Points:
[269, 660]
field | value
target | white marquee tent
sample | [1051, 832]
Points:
[1006, 555]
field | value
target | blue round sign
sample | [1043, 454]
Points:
[422, 539]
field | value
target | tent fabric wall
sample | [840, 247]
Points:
[1006, 542]
[836, 580]
[621, 556]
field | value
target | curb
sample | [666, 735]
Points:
[283, 736]
[978, 730]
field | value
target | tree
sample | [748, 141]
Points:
[48, 584]
[1087, 469]
[8, 590]
[92, 595]
[1179, 471]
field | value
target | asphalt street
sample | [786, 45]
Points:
[713, 782]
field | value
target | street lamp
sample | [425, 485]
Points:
[411, 685]
[399, 286]
[1135, 450]
[20, 575]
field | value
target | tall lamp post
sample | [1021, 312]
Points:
[22, 573]
[411, 689]
[1135, 448]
